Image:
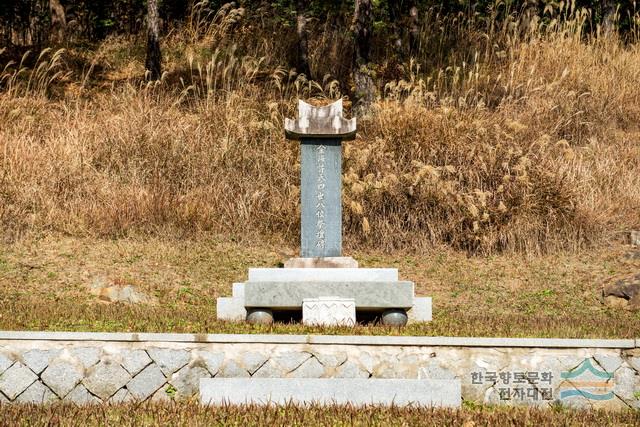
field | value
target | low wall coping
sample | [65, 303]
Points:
[373, 340]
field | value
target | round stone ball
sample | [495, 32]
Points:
[260, 316]
[395, 317]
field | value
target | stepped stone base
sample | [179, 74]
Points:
[367, 295]
[372, 289]
[326, 262]
[331, 391]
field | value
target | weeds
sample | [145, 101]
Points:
[512, 135]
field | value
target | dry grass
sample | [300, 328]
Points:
[192, 414]
[523, 138]
[46, 286]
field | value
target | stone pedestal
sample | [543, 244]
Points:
[322, 262]
[329, 311]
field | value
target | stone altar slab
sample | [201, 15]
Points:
[331, 391]
[368, 295]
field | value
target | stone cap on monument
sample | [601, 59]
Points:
[320, 122]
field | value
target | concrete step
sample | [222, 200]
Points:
[324, 274]
[368, 295]
[355, 391]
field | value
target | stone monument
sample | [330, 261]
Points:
[321, 272]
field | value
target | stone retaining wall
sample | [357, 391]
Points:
[100, 367]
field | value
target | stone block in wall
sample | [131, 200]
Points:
[134, 361]
[146, 383]
[37, 393]
[168, 359]
[106, 378]
[62, 376]
[16, 379]
[309, 369]
[81, 396]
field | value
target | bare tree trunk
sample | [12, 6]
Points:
[153, 62]
[40, 23]
[414, 30]
[609, 12]
[303, 44]
[58, 20]
[364, 87]
[362, 29]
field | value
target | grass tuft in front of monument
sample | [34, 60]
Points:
[69, 316]
[191, 413]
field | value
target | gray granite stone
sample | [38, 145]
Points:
[368, 295]
[309, 369]
[231, 309]
[38, 359]
[213, 361]
[169, 360]
[355, 391]
[324, 262]
[121, 396]
[230, 369]
[634, 362]
[270, 370]
[81, 396]
[434, 371]
[350, 369]
[5, 362]
[88, 356]
[321, 198]
[323, 274]
[62, 376]
[608, 362]
[162, 395]
[15, 380]
[105, 378]
[146, 382]
[135, 360]
[37, 393]
[291, 360]
[187, 380]
[626, 382]
[421, 341]
[237, 291]
[367, 361]
[331, 360]
[421, 310]
[251, 361]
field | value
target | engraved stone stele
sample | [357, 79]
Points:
[321, 131]
[329, 311]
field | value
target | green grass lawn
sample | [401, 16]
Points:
[45, 286]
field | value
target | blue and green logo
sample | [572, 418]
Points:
[587, 381]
